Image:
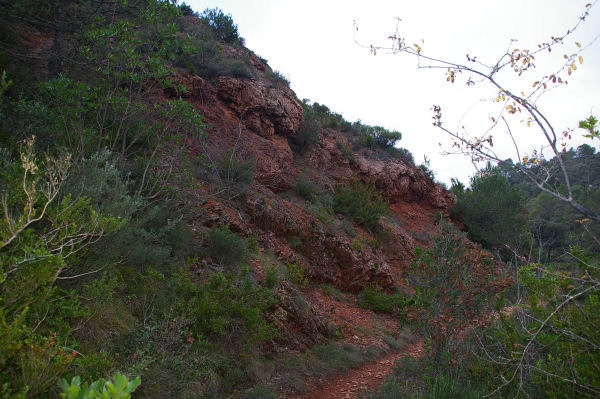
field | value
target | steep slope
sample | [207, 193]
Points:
[259, 179]
[255, 119]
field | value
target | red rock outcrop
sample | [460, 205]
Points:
[254, 118]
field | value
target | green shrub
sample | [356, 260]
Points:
[277, 79]
[235, 68]
[296, 273]
[225, 246]
[375, 298]
[332, 292]
[307, 134]
[236, 170]
[226, 305]
[346, 151]
[252, 242]
[376, 136]
[361, 202]
[118, 388]
[271, 276]
[366, 140]
[222, 26]
[306, 189]
[401, 153]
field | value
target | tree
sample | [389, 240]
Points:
[493, 211]
[512, 107]
[222, 26]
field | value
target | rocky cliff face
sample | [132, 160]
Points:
[255, 117]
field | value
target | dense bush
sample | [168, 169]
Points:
[361, 202]
[222, 25]
[376, 136]
[306, 188]
[377, 299]
[493, 211]
[227, 305]
[235, 68]
[225, 246]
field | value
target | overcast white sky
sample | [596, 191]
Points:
[313, 44]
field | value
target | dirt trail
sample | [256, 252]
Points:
[368, 376]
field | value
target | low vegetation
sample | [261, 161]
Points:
[361, 202]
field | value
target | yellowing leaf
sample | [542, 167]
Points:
[574, 66]
[536, 83]
[499, 98]
[569, 71]
[578, 44]
[580, 59]
[417, 47]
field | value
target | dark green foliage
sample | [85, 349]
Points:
[308, 132]
[186, 10]
[222, 26]
[277, 79]
[41, 235]
[225, 246]
[271, 276]
[493, 211]
[237, 171]
[552, 223]
[455, 282]
[361, 202]
[377, 299]
[227, 304]
[306, 189]
[372, 136]
[296, 273]
[204, 54]
[235, 68]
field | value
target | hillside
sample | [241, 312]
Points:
[173, 212]
[187, 219]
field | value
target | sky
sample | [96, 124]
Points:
[316, 46]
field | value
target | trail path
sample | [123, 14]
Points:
[368, 376]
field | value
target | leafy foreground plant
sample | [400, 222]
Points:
[119, 388]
